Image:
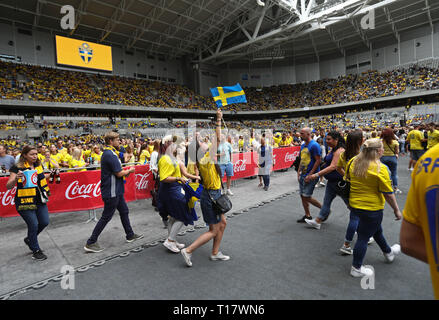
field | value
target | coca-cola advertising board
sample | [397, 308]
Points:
[284, 158]
[80, 191]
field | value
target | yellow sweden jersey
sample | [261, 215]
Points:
[211, 179]
[422, 208]
[433, 139]
[415, 137]
[367, 193]
[167, 168]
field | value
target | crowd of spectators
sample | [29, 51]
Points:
[56, 85]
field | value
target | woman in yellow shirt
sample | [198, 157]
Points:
[77, 161]
[390, 156]
[48, 163]
[144, 154]
[172, 200]
[204, 156]
[370, 188]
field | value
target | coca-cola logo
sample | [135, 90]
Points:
[75, 191]
[142, 181]
[290, 157]
[7, 197]
[239, 166]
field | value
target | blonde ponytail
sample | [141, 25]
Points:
[369, 153]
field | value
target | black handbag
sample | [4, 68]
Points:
[223, 203]
[343, 187]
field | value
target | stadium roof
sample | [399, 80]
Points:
[221, 31]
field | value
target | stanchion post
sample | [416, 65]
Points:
[92, 216]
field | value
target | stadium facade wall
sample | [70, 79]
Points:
[417, 45]
[127, 65]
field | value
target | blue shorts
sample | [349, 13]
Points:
[416, 154]
[228, 168]
[209, 215]
[307, 189]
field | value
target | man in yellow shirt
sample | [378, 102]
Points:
[433, 136]
[419, 236]
[96, 154]
[60, 147]
[415, 138]
[41, 151]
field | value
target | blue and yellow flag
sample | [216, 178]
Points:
[224, 96]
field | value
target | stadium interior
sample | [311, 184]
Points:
[313, 73]
[298, 63]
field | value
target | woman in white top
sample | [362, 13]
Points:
[265, 162]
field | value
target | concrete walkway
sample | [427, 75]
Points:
[63, 240]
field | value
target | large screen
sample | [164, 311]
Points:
[83, 54]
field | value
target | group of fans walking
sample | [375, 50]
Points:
[359, 168]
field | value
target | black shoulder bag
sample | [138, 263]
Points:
[343, 187]
[223, 203]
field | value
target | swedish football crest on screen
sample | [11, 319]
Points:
[86, 52]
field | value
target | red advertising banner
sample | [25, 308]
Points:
[80, 191]
[284, 158]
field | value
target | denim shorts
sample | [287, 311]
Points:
[209, 215]
[416, 154]
[307, 189]
[228, 168]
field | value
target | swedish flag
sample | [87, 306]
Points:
[224, 96]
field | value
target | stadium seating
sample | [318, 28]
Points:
[36, 83]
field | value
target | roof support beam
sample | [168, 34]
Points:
[116, 17]
[147, 22]
[261, 18]
[307, 27]
[430, 20]
[336, 42]
[315, 47]
[392, 23]
[292, 26]
[79, 13]
[37, 13]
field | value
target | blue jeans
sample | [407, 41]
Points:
[401, 146]
[110, 206]
[369, 225]
[266, 179]
[352, 226]
[330, 194]
[392, 163]
[36, 221]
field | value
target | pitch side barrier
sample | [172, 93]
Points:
[80, 190]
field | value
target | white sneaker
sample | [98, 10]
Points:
[411, 169]
[396, 249]
[362, 272]
[347, 250]
[219, 256]
[186, 257]
[321, 183]
[371, 240]
[171, 246]
[313, 223]
[180, 245]
[397, 191]
[229, 192]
